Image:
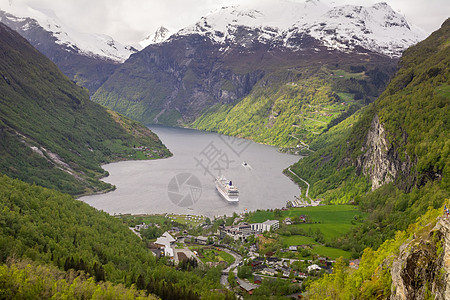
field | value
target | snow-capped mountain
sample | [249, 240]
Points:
[161, 34]
[88, 59]
[88, 44]
[376, 28]
[235, 51]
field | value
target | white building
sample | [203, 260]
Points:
[268, 225]
[167, 242]
[314, 268]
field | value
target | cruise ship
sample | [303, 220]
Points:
[227, 189]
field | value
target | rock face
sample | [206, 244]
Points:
[422, 269]
[380, 160]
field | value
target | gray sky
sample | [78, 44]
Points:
[129, 21]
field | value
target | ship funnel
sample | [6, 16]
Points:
[231, 183]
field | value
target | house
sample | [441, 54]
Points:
[314, 268]
[354, 264]
[256, 262]
[201, 240]
[259, 267]
[245, 229]
[322, 261]
[288, 221]
[292, 248]
[237, 232]
[166, 242]
[246, 286]
[141, 226]
[175, 229]
[257, 279]
[269, 271]
[272, 259]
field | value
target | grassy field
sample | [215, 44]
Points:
[188, 220]
[317, 249]
[327, 214]
[295, 240]
[213, 255]
[332, 220]
[330, 252]
[444, 90]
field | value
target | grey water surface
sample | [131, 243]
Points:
[184, 183]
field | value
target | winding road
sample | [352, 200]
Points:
[307, 184]
[237, 261]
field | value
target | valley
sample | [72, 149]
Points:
[330, 123]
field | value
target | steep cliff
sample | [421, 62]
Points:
[380, 159]
[422, 269]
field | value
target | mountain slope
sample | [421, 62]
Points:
[51, 133]
[413, 265]
[88, 59]
[394, 159]
[213, 72]
[51, 228]
[394, 163]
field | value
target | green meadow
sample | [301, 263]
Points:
[332, 221]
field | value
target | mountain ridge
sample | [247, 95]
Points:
[204, 71]
[51, 133]
[88, 59]
[348, 27]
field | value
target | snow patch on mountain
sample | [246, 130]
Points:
[88, 44]
[161, 34]
[377, 28]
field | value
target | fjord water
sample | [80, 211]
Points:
[184, 183]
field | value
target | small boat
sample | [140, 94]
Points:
[226, 189]
[246, 165]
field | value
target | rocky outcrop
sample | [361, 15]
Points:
[380, 160]
[422, 269]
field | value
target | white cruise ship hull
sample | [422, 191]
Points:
[226, 190]
[225, 196]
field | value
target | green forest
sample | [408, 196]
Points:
[56, 231]
[298, 107]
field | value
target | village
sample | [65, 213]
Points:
[247, 253]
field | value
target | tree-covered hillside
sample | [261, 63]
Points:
[51, 133]
[295, 106]
[54, 229]
[393, 160]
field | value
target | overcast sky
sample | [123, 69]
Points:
[129, 21]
